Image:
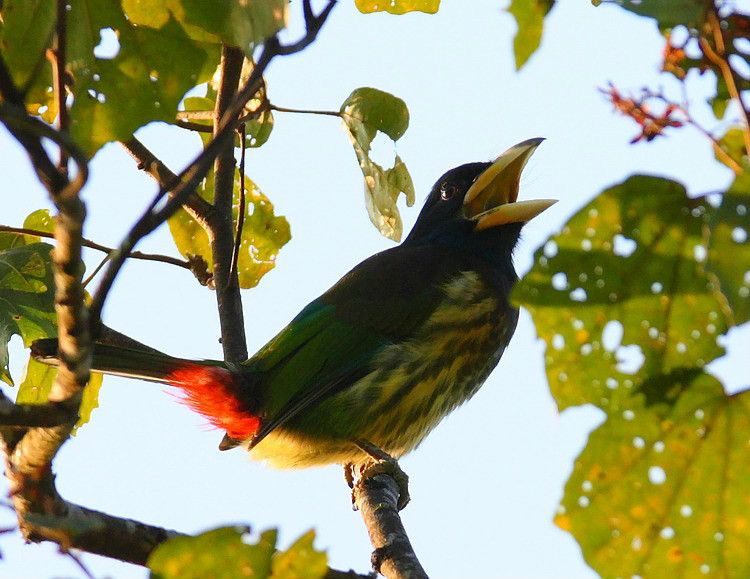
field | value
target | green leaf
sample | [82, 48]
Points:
[662, 491]
[729, 250]
[631, 261]
[234, 22]
[37, 383]
[397, 6]
[529, 16]
[144, 81]
[365, 112]
[219, 554]
[301, 561]
[27, 294]
[40, 220]
[25, 31]
[667, 13]
[263, 233]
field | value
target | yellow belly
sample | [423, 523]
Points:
[413, 386]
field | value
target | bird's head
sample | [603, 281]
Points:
[476, 205]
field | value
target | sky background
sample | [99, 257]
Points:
[486, 482]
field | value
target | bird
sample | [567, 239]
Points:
[377, 361]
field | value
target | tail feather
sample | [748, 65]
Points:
[207, 386]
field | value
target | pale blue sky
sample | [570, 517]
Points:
[486, 483]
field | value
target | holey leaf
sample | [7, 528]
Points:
[662, 490]
[622, 295]
[263, 233]
[365, 112]
[397, 6]
[27, 294]
[125, 76]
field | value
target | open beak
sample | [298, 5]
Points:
[492, 198]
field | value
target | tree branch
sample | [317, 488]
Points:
[28, 415]
[198, 208]
[220, 228]
[376, 498]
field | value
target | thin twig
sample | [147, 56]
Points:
[196, 206]
[99, 247]
[241, 208]
[304, 111]
[719, 59]
[58, 79]
[197, 127]
[79, 563]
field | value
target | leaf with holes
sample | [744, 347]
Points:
[134, 76]
[37, 383]
[27, 294]
[621, 295]
[222, 553]
[397, 6]
[234, 22]
[365, 112]
[529, 16]
[729, 250]
[263, 233]
[661, 491]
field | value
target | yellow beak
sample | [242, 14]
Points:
[492, 198]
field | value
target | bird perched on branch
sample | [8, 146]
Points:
[379, 359]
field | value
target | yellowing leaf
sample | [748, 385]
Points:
[529, 16]
[222, 553]
[37, 383]
[661, 491]
[365, 112]
[263, 233]
[397, 6]
[234, 22]
[300, 561]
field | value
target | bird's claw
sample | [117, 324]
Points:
[380, 463]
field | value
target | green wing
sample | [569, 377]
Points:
[332, 342]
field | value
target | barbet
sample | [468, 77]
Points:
[381, 357]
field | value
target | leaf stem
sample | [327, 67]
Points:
[304, 111]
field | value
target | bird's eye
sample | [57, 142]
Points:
[447, 191]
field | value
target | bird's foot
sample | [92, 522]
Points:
[380, 463]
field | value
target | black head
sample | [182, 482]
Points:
[474, 206]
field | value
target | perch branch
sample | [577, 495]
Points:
[376, 498]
